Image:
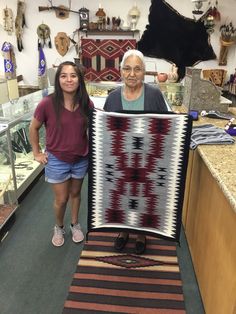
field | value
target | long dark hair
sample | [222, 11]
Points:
[81, 96]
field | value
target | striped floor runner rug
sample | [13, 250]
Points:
[109, 282]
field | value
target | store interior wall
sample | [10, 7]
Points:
[27, 59]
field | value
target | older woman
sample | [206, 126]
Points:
[134, 95]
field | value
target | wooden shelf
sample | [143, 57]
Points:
[111, 32]
[6, 211]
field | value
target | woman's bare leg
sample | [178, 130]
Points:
[61, 196]
[75, 198]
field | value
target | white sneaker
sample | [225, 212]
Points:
[58, 236]
[77, 234]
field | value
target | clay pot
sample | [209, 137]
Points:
[162, 77]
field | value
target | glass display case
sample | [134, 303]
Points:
[8, 198]
[16, 116]
[98, 91]
[173, 92]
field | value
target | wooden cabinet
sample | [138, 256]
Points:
[187, 187]
[209, 220]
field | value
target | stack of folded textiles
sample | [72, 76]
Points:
[209, 134]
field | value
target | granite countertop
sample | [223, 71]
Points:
[220, 160]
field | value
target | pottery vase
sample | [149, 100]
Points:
[173, 75]
[162, 77]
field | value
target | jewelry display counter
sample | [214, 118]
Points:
[16, 116]
[8, 199]
[98, 91]
[173, 92]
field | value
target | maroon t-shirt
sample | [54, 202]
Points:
[69, 141]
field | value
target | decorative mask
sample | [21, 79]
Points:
[62, 43]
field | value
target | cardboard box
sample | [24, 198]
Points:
[8, 90]
[3, 92]
[13, 91]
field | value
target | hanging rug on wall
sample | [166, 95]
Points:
[102, 57]
[137, 172]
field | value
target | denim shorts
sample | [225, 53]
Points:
[57, 171]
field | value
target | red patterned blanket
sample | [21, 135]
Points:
[102, 57]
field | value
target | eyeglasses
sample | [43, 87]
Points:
[137, 70]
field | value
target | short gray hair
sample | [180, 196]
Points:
[133, 52]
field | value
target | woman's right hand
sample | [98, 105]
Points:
[42, 158]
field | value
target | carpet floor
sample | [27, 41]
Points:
[109, 282]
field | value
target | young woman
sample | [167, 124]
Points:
[65, 117]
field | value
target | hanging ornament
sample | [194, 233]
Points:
[62, 43]
[8, 20]
[42, 70]
[210, 17]
[198, 7]
[209, 23]
[44, 33]
[216, 12]
[9, 60]
[20, 23]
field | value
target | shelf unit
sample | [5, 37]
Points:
[119, 32]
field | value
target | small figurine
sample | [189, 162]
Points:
[173, 75]
[101, 18]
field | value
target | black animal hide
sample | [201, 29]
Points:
[175, 38]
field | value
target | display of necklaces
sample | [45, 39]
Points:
[4, 154]
[20, 142]
[27, 165]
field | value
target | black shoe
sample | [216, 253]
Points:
[140, 246]
[120, 242]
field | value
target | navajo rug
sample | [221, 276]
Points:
[109, 282]
[137, 172]
[102, 57]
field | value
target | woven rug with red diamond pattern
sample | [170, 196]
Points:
[102, 57]
[109, 282]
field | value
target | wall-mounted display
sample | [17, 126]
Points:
[44, 32]
[62, 43]
[20, 23]
[102, 57]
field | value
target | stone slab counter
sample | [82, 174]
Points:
[220, 159]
